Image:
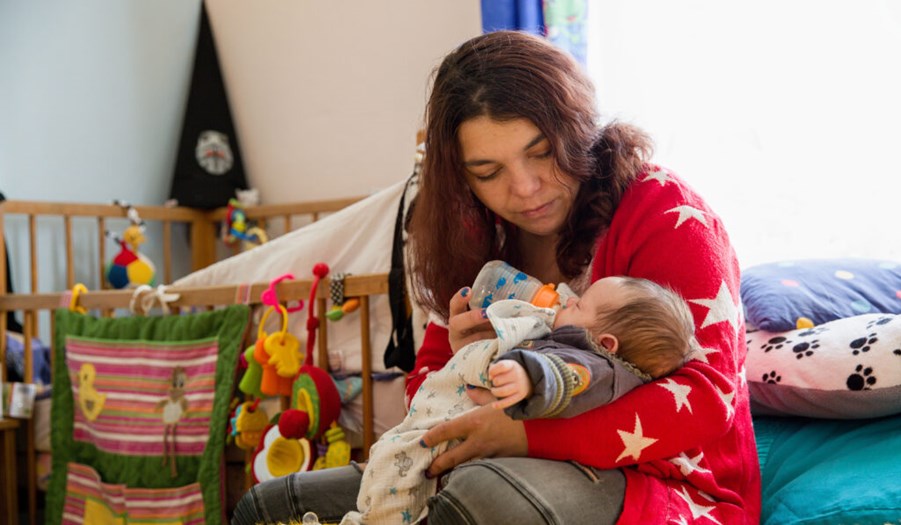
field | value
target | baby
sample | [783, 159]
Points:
[544, 363]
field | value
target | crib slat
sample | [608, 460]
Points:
[31, 458]
[3, 326]
[33, 251]
[33, 255]
[70, 258]
[322, 358]
[3, 329]
[366, 356]
[2, 254]
[101, 250]
[167, 252]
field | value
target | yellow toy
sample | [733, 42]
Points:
[130, 267]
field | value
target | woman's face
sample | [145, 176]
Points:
[510, 167]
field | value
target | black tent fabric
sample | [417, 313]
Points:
[208, 168]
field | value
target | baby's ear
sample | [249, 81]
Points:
[609, 342]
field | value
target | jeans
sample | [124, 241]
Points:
[502, 490]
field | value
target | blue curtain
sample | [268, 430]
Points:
[526, 15]
[565, 21]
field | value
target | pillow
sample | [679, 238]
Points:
[829, 472]
[131, 398]
[848, 368]
[777, 295]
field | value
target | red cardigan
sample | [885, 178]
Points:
[684, 442]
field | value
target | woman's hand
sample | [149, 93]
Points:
[466, 326]
[486, 433]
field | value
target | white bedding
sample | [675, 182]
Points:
[355, 240]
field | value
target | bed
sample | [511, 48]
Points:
[824, 374]
[823, 366]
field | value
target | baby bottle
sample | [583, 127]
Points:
[498, 280]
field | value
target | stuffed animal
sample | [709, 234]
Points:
[129, 267]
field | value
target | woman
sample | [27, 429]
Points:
[518, 169]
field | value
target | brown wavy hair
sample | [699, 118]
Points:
[507, 75]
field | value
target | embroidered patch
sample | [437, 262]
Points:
[583, 378]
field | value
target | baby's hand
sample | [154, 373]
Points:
[510, 383]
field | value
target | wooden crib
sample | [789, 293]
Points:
[202, 226]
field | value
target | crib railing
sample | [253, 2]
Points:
[202, 226]
[361, 286]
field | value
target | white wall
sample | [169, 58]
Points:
[91, 97]
[329, 95]
[326, 97]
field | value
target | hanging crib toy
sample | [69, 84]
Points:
[237, 229]
[130, 268]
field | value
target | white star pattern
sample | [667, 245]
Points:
[687, 212]
[701, 354]
[722, 308]
[681, 521]
[727, 400]
[697, 511]
[688, 465]
[680, 393]
[659, 175]
[634, 441]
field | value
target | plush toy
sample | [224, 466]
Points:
[130, 268]
[277, 455]
[248, 424]
[315, 394]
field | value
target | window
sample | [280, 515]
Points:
[786, 116]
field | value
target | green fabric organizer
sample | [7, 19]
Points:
[206, 343]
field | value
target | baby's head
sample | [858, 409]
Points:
[640, 321]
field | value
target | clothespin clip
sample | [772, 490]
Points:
[77, 290]
[270, 297]
[341, 305]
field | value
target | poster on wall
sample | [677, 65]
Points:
[208, 168]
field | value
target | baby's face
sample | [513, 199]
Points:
[605, 293]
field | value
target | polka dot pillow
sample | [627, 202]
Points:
[787, 295]
[844, 369]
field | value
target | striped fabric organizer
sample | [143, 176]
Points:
[129, 418]
[89, 500]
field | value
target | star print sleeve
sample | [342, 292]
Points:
[664, 232]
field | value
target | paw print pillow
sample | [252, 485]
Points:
[776, 296]
[844, 369]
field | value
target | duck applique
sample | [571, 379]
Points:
[89, 399]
